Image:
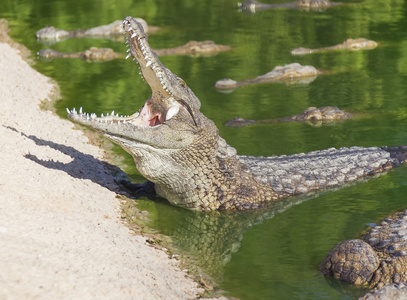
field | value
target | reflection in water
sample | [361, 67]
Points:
[211, 238]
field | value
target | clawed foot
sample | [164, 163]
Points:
[138, 190]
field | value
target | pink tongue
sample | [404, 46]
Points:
[154, 121]
[149, 119]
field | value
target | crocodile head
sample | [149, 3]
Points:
[360, 43]
[168, 122]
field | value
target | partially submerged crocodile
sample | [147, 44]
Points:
[92, 54]
[348, 44]
[379, 259]
[51, 34]
[253, 6]
[291, 73]
[180, 151]
[193, 48]
[312, 115]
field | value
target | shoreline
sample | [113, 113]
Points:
[61, 233]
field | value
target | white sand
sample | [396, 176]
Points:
[61, 236]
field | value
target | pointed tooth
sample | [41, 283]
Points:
[128, 50]
[128, 55]
[117, 115]
[68, 111]
[112, 113]
[129, 28]
[101, 115]
[146, 57]
[133, 35]
[80, 110]
[148, 63]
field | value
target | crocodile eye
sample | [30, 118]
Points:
[182, 82]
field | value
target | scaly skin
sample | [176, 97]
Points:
[291, 73]
[312, 115]
[253, 6]
[193, 48]
[53, 34]
[379, 259]
[178, 149]
[348, 44]
[92, 54]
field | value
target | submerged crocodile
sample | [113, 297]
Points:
[253, 6]
[312, 115]
[291, 73]
[52, 34]
[377, 260]
[193, 48]
[92, 54]
[348, 44]
[180, 151]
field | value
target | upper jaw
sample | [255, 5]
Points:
[151, 68]
[161, 80]
[170, 94]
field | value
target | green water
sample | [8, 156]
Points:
[271, 254]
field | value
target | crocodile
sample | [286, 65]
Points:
[90, 55]
[348, 44]
[290, 74]
[52, 35]
[312, 115]
[179, 150]
[253, 6]
[377, 260]
[192, 48]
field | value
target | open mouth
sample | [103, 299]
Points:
[145, 117]
[161, 107]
